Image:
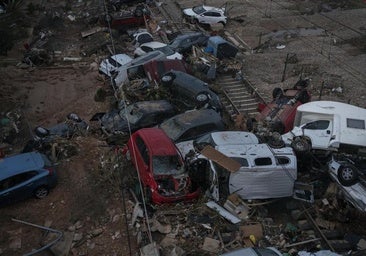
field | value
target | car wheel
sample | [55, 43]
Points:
[202, 98]
[347, 175]
[41, 192]
[301, 145]
[41, 131]
[277, 92]
[167, 79]
[223, 23]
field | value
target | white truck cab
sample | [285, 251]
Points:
[328, 125]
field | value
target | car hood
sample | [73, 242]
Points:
[189, 12]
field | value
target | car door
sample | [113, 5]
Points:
[141, 159]
[18, 187]
[320, 133]
[209, 17]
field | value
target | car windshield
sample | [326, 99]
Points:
[198, 9]
[166, 50]
[172, 128]
[132, 113]
[167, 165]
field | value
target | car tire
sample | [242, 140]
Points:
[223, 23]
[202, 98]
[41, 192]
[41, 131]
[301, 145]
[167, 80]
[347, 175]
[277, 92]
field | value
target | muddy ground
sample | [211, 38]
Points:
[87, 200]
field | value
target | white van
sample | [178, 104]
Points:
[328, 125]
[252, 171]
[134, 69]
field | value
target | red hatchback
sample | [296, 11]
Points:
[160, 167]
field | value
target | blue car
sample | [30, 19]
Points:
[25, 175]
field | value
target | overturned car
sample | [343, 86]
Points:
[252, 171]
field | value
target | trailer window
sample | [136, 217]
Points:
[355, 123]
[317, 125]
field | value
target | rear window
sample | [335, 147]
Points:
[355, 123]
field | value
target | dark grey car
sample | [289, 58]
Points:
[135, 116]
[192, 124]
[188, 92]
[183, 43]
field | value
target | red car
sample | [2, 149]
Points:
[160, 166]
[279, 114]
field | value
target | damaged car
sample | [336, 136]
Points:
[160, 166]
[279, 114]
[253, 171]
[192, 124]
[183, 43]
[134, 116]
[188, 92]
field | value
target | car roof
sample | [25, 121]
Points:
[154, 106]
[157, 141]
[211, 8]
[153, 55]
[187, 35]
[122, 58]
[233, 138]
[20, 163]
[190, 82]
[253, 150]
[197, 117]
[154, 44]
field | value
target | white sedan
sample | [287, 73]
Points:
[108, 66]
[206, 14]
[153, 46]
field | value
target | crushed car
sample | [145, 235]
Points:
[252, 171]
[110, 65]
[134, 116]
[159, 46]
[349, 172]
[183, 43]
[160, 166]
[126, 19]
[188, 92]
[215, 139]
[192, 124]
[279, 114]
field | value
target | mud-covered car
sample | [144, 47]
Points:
[183, 43]
[192, 124]
[161, 167]
[188, 92]
[348, 169]
[279, 114]
[135, 116]
[252, 171]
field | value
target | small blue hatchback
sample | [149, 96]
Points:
[25, 175]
